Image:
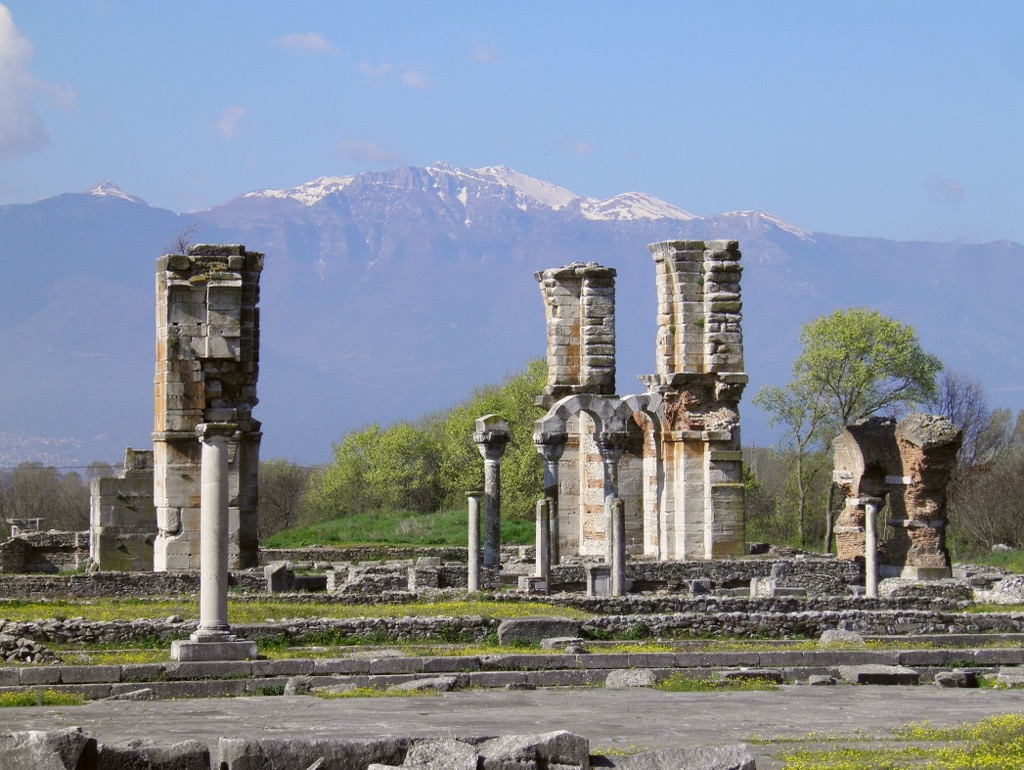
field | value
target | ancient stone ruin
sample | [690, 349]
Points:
[122, 517]
[906, 464]
[207, 363]
[672, 454]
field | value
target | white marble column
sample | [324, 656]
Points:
[473, 559]
[551, 447]
[542, 543]
[213, 639]
[618, 539]
[871, 506]
[610, 444]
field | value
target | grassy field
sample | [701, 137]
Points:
[1010, 560]
[264, 610]
[995, 743]
[389, 528]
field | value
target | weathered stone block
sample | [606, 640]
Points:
[47, 750]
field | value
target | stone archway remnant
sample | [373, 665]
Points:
[672, 454]
[907, 463]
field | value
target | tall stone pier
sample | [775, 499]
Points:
[907, 466]
[579, 308]
[671, 454]
[207, 364]
[699, 373]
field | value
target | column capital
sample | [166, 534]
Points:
[491, 444]
[209, 430]
[611, 444]
[550, 446]
[866, 500]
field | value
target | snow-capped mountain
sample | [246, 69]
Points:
[386, 295]
[471, 186]
[107, 189]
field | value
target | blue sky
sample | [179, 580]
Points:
[892, 119]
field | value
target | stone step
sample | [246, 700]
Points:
[209, 678]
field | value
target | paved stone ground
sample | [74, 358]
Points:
[624, 719]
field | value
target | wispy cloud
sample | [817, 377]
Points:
[945, 190]
[581, 148]
[410, 77]
[21, 127]
[485, 53]
[376, 71]
[227, 123]
[312, 42]
[366, 152]
[415, 79]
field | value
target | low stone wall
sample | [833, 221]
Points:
[737, 621]
[821, 576]
[319, 554]
[44, 552]
[118, 584]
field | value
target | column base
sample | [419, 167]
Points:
[213, 647]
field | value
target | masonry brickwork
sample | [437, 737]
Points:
[207, 365]
[122, 517]
[907, 464]
[672, 454]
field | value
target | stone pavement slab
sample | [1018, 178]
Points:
[638, 719]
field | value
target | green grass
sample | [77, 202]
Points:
[396, 528]
[994, 743]
[262, 610]
[682, 683]
[1009, 560]
[40, 698]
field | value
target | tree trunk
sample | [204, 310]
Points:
[828, 519]
[801, 496]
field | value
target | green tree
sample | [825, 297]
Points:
[461, 467]
[802, 413]
[855, 363]
[861, 363]
[429, 464]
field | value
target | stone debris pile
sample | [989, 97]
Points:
[15, 649]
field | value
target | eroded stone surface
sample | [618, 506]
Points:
[908, 464]
[207, 365]
[737, 757]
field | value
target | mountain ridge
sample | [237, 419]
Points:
[380, 302]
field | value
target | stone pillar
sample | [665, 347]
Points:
[611, 445]
[473, 558]
[491, 437]
[927, 446]
[550, 448]
[579, 305]
[699, 372]
[207, 365]
[213, 639]
[618, 542]
[871, 507]
[542, 543]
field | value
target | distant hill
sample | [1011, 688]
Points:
[388, 295]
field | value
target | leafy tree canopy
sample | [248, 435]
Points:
[859, 362]
[429, 464]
